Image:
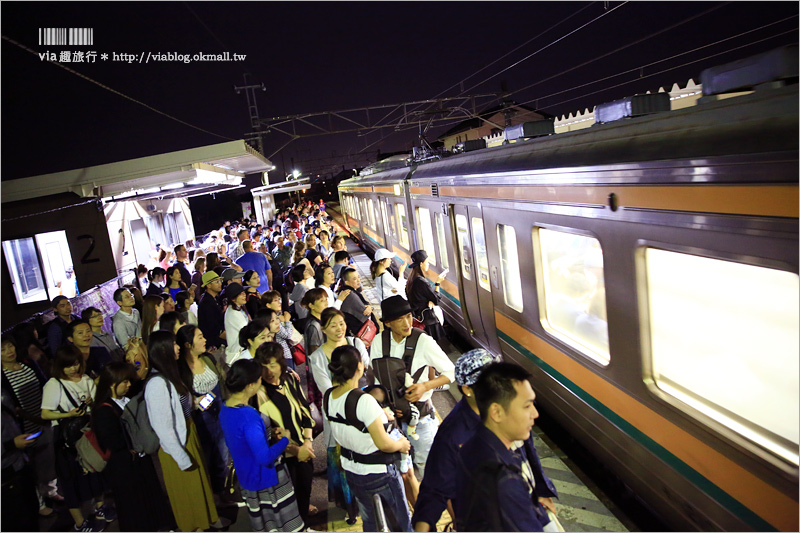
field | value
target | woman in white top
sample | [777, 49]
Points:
[69, 394]
[367, 450]
[324, 278]
[236, 318]
[200, 373]
[334, 328]
[385, 282]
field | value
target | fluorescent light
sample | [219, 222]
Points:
[172, 186]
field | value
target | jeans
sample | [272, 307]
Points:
[390, 488]
[426, 431]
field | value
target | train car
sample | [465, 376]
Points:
[646, 272]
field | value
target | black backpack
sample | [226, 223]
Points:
[351, 419]
[391, 372]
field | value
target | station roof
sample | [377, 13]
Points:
[281, 187]
[185, 173]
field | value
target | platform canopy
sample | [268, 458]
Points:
[282, 187]
[203, 170]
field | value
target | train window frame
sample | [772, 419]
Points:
[744, 426]
[24, 292]
[514, 289]
[441, 236]
[481, 253]
[371, 214]
[385, 219]
[403, 228]
[464, 242]
[570, 338]
[426, 233]
[50, 262]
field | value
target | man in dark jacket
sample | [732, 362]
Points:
[502, 484]
[210, 319]
[355, 307]
[57, 328]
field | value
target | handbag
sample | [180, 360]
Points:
[296, 338]
[367, 332]
[298, 354]
[90, 455]
[72, 428]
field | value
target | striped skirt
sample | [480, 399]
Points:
[274, 508]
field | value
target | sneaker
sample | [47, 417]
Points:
[105, 512]
[54, 495]
[88, 525]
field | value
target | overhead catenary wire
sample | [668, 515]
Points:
[106, 87]
[640, 67]
[671, 68]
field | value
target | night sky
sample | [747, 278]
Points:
[333, 56]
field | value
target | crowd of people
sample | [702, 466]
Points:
[210, 343]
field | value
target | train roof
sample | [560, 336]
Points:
[763, 122]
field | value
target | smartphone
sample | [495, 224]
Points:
[444, 272]
[206, 401]
[33, 436]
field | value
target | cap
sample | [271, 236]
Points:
[232, 291]
[394, 307]
[470, 365]
[419, 256]
[382, 254]
[209, 276]
[229, 274]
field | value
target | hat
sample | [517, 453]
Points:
[230, 274]
[470, 365]
[208, 277]
[419, 256]
[232, 291]
[394, 307]
[382, 254]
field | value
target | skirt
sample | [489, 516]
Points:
[338, 490]
[189, 491]
[274, 508]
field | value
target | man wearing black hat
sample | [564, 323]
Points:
[398, 320]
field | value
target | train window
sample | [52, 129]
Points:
[35, 281]
[385, 221]
[724, 340]
[480, 253]
[572, 290]
[464, 246]
[402, 223]
[509, 266]
[356, 208]
[426, 233]
[390, 215]
[442, 240]
[372, 214]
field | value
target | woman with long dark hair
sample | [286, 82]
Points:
[367, 458]
[423, 295]
[169, 405]
[202, 376]
[26, 340]
[173, 281]
[281, 398]
[131, 477]
[266, 484]
[156, 279]
[153, 309]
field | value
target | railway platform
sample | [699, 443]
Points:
[581, 506]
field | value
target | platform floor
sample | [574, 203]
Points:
[579, 507]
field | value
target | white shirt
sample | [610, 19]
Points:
[53, 395]
[388, 286]
[234, 321]
[333, 301]
[427, 353]
[367, 411]
[243, 354]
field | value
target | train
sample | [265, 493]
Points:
[645, 270]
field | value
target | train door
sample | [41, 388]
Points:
[472, 257]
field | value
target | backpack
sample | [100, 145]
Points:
[391, 372]
[351, 419]
[136, 421]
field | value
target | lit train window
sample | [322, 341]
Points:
[402, 223]
[426, 233]
[385, 220]
[442, 240]
[355, 205]
[372, 214]
[724, 340]
[572, 290]
[390, 215]
[481, 254]
[509, 266]
[464, 247]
